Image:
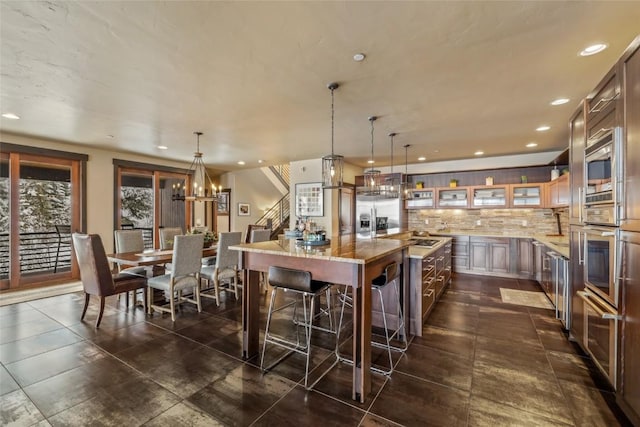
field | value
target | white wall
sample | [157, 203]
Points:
[249, 186]
[100, 203]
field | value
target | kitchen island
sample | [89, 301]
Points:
[346, 260]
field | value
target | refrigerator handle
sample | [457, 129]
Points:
[580, 204]
[580, 248]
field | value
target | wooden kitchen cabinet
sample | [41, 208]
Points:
[489, 254]
[559, 192]
[456, 197]
[460, 253]
[421, 198]
[577, 139]
[428, 280]
[631, 160]
[524, 249]
[527, 195]
[492, 196]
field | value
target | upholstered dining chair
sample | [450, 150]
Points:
[166, 236]
[95, 273]
[185, 274]
[226, 266]
[250, 228]
[130, 241]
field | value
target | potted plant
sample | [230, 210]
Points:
[209, 237]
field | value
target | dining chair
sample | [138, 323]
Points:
[250, 228]
[225, 268]
[95, 273]
[185, 274]
[166, 236]
[130, 241]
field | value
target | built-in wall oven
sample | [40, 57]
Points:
[601, 334]
[601, 298]
[602, 194]
[600, 263]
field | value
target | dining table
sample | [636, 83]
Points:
[346, 260]
[150, 257]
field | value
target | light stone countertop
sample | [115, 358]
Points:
[348, 248]
[559, 244]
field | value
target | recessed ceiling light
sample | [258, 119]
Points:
[479, 153]
[371, 161]
[260, 161]
[593, 49]
[543, 128]
[422, 159]
[11, 116]
[532, 144]
[560, 101]
[163, 147]
[241, 163]
[358, 57]
[436, 151]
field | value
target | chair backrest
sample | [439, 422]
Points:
[250, 228]
[289, 278]
[129, 240]
[95, 273]
[166, 236]
[391, 272]
[226, 258]
[260, 235]
[187, 254]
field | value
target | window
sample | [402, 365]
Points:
[144, 200]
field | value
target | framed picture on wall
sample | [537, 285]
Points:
[244, 209]
[309, 199]
[224, 199]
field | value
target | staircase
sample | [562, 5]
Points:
[277, 216]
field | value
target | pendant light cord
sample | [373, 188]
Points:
[332, 116]
[372, 119]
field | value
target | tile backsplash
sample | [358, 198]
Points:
[507, 221]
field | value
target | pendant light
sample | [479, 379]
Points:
[405, 183]
[202, 188]
[392, 185]
[333, 164]
[372, 176]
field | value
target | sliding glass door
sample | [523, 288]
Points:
[40, 206]
[144, 199]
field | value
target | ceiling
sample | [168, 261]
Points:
[450, 78]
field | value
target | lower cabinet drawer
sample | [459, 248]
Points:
[428, 297]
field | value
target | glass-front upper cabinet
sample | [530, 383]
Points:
[489, 197]
[453, 197]
[421, 199]
[527, 195]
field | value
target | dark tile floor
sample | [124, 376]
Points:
[480, 362]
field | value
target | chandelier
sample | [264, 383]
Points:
[202, 189]
[333, 164]
[372, 176]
